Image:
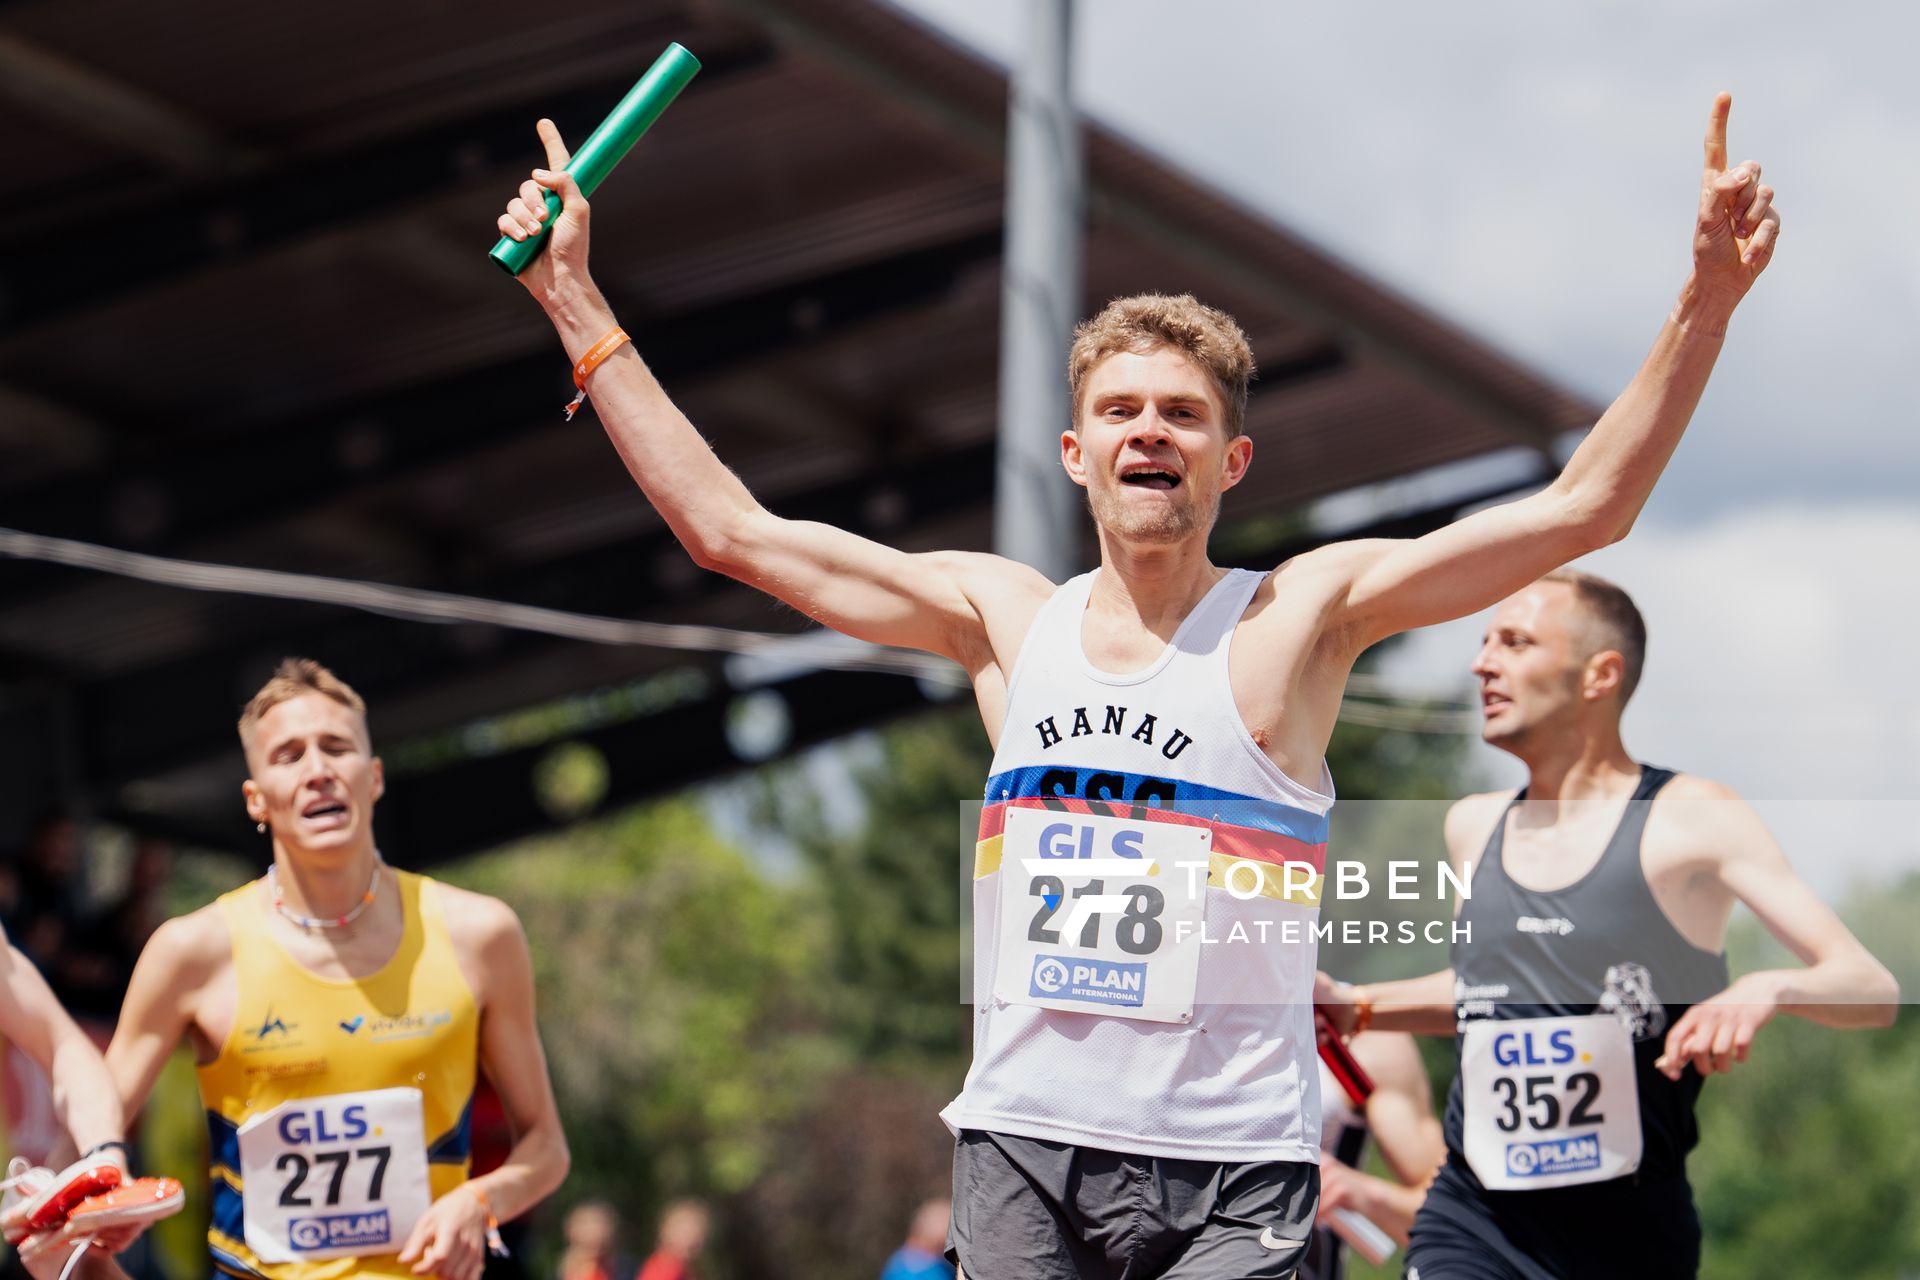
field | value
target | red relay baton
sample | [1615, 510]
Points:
[1365, 1236]
[1340, 1061]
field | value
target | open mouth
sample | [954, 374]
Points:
[323, 809]
[1150, 478]
[1491, 703]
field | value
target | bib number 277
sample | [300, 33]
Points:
[339, 1176]
[296, 1195]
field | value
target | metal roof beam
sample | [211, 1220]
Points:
[60, 436]
[215, 486]
[279, 199]
[163, 715]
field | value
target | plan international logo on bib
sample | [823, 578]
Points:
[1557, 1155]
[1095, 981]
[340, 1231]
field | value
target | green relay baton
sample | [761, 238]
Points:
[607, 145]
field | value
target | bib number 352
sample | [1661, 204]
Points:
[340, 1176]
[1550, 1102]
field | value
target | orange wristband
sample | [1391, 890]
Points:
[495, 1245]
[596, 354]
[1362, 1011]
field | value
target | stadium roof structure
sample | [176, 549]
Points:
[246, 319]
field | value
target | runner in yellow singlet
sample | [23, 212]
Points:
[339, 1010]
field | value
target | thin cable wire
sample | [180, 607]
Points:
[1409, 719]
[818, 648]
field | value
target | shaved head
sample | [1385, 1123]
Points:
[1607, 619]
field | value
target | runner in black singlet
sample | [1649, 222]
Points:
[1605, 940]
[1592, 995]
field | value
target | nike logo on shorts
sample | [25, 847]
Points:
[1268, 1240]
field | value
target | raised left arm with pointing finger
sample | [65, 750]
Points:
[1842, 984]
[1397, 585]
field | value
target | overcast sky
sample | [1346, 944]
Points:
[1530, 171]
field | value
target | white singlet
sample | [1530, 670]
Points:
[1146, 886]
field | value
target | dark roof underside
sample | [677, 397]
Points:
[248, 320]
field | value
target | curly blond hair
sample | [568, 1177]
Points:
[1146, 322]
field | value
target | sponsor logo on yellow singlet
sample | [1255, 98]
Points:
[285, 1070]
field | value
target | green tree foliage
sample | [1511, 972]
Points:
[1809, 1155]
[677, 1005]
[890, 890]
[1394, 789]
[889, 893]
[1808, 1159]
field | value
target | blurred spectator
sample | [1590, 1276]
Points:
[683, 1235]
[593, 1245]
[49, 908]
[93, 970]
[139, 911]
[923, 1256]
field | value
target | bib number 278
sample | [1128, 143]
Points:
[1101, 914]
[1136, 930]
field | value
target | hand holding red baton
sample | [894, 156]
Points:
[1367, 1239]
[1340, 1061]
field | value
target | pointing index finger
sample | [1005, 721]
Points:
[1716, 134]
[558, 155]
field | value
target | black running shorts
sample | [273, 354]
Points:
[1029, 1209]
[1644, 1230]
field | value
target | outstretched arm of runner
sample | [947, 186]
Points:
[450, 1240]
[1424, 1005]
[1842, 985]
[1474, 562]
[83, 1094]
[844, 581]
